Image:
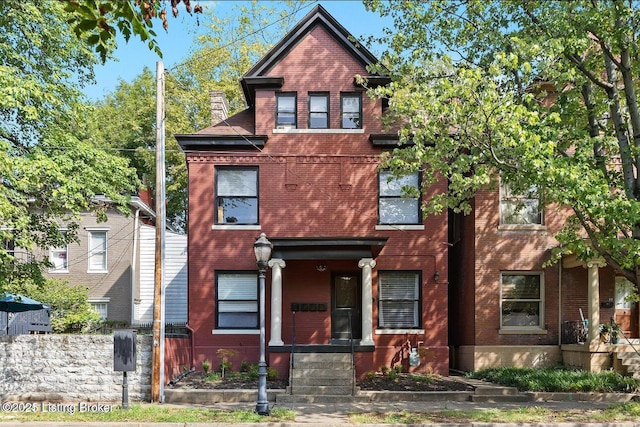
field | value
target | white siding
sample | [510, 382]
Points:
[175, 276]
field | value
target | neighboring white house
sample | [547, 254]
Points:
[175, 274]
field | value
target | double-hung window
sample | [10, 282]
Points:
[395, 203]
[59, 259]
[516, 208]
[236, 195]
[236, 300]
[521, 300]
[351, 110]
[286, 114]
[318, 111]
[398, 299]
[97, 251]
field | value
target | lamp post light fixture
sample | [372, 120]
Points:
[262, 249]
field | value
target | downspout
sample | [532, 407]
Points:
[192, 339]
[134, 266]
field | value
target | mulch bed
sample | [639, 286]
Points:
[379, 382]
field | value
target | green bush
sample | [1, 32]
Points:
[558, 379]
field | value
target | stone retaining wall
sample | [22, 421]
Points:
[70, 368]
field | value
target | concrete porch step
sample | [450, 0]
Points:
[343, 373]
[324, 365]
[320, 381]
[322, 357]
[321, 390]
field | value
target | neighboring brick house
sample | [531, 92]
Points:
[300, 164]
[508, 308]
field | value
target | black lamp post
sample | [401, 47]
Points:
[262, 249]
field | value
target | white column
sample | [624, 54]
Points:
[276, 300]
[367, 264]
[593, 298]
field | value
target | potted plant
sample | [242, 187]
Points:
[605, 333]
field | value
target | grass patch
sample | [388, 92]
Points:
[534, 414]
[153, 413]
[559, 379]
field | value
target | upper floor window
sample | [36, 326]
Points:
[399, 299]
[59, 259]
[237, 300]
[521, 299]
[516, 208]
[97, 251]
[318, 110]
[394, 206]
[10, 247]
[236, 196]
[286, 111]
[351, 110]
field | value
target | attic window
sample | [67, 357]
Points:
[286, 111]
[318, 111]
[351, 110]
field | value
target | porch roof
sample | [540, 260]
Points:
[327, 248]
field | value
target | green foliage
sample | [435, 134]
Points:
[272, 374]
[206, 365]
[49, 173]
[541, 94]
[70, 309]
[370, 375]
[96, 22]
[559, 379]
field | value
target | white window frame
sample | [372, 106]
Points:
[98, 303]
[94, 252]
[385, 298]
[540, 301]
[507, 198]
[235, 304]
[386, 179]
[52, 254]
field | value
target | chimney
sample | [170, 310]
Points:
[219, 106]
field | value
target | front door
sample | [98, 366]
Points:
[346, 304]
[626, 312]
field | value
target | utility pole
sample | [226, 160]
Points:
[157, 369]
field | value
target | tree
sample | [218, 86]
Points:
[228, 48]
[97, 22]
[539, 93]
[47, 174]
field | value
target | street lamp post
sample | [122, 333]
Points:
[262, 249]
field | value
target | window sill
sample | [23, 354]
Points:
[234, 227]
[399, 331]
[522, 227]
[532, 331]
[235, 332]
[97, 271]
[300, 131]
[400, 227]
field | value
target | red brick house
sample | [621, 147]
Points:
[353, 261]
[507, 308]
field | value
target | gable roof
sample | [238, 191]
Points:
[256, 76]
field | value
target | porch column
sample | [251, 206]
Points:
[367, 264]
[276, 300]
[593, 296]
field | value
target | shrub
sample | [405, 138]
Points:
[558, 379]
[206, 365]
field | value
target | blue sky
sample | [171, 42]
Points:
[133, 56]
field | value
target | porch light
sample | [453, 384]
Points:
[262, 249]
